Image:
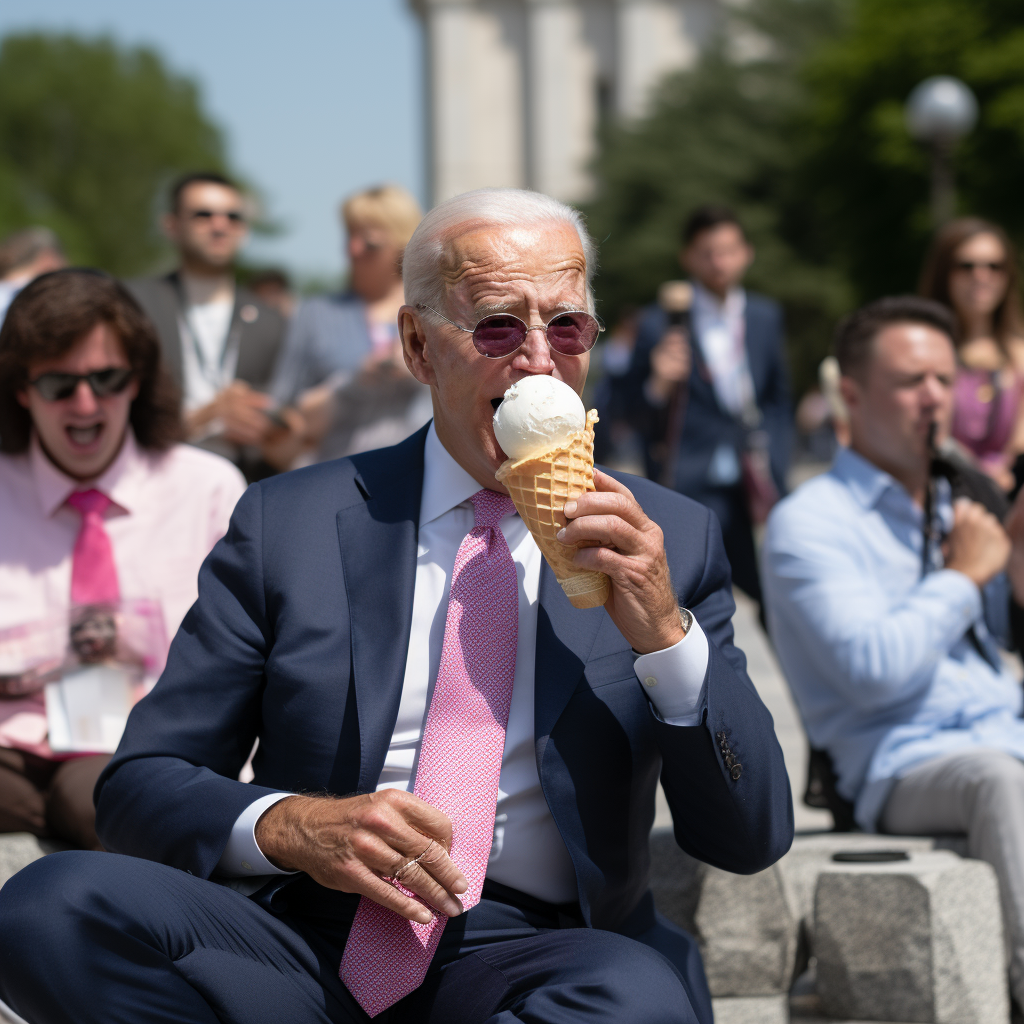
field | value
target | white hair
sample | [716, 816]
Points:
[421, 262]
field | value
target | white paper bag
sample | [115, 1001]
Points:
[88, 708]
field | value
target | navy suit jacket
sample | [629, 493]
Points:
[300, 635]
[707, 424]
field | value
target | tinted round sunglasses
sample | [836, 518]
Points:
[54, 387]
[500, 334]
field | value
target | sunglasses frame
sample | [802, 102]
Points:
[98, 388]
[512, 316]
[970, 266]
[234, 216]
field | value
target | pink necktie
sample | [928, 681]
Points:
[93, 572]
[386, 956]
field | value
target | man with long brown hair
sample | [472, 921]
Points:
[100, 507]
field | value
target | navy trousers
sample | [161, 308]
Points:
[97, 938]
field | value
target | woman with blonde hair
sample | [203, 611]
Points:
[341, 365]
[972, 269]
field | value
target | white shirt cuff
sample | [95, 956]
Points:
[674, 677]
[242, 858]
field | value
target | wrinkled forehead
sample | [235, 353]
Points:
[479, 255]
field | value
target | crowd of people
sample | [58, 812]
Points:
[132, 416]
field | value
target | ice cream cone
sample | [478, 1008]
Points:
[539, 487]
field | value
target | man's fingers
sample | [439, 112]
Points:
[604, 482]
[607, 503]
[417, 878]
[608, 531]
[421, 816]
[384, 893]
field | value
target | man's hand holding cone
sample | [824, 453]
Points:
[631, 552]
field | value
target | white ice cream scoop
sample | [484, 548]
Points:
[537, 414]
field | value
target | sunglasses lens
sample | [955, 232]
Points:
[53, 387]
[109, 382]
[498, 335]
[572, 334]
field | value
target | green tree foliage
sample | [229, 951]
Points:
[866, 178]
[723, 132]
[808, 143]
[90, 136]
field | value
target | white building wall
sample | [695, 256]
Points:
[516, 88]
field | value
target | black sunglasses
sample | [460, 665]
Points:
[969, 266]
[500, 334]
[235, 216]
[54, 387]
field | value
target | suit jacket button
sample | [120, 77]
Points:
[736, 771]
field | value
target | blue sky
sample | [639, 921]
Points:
[317, 98]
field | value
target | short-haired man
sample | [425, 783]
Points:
[98, 504]
[387, 627]
[219, 341]
[703, 393]
[892, 651]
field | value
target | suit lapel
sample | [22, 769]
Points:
[755, 350]
[565, 638]
[172, 353]
[378, 550]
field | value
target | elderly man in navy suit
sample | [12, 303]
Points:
[456, 769]
[704, 395]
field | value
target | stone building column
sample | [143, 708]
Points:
[475, 122]
[561, 91]
[656, 37]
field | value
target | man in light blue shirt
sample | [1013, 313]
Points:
[892, 652]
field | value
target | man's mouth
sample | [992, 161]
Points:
[497, 401]
[83, 437]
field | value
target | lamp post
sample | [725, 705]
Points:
[940, 112]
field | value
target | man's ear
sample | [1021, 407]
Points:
[22, 396]
[414, 345]
[169, 226]
[851, 391]
[684, 259]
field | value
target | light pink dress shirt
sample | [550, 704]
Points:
[168, 511]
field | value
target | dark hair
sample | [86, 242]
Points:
[196, 178]
[856, 332]
[49, 317]
[1007, 320]
[706, 217]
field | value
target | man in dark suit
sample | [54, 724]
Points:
[706, 390]
[500, 748]
[219, 341]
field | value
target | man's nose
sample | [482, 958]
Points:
[82, 400]
[534, 355]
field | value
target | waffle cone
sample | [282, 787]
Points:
[539, 487]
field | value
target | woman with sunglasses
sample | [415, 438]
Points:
[972, 268]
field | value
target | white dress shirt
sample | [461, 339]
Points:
[207, 366]
[167, 511]
[527, 852]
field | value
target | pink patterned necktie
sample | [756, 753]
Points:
[93, 572]
[386, 956]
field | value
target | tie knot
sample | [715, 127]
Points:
[89, 501]
[489, 508]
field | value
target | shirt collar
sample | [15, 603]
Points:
[445, 483]
[119, 482]
[706, 304]
[866, 482]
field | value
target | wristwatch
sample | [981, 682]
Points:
[686, 618]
